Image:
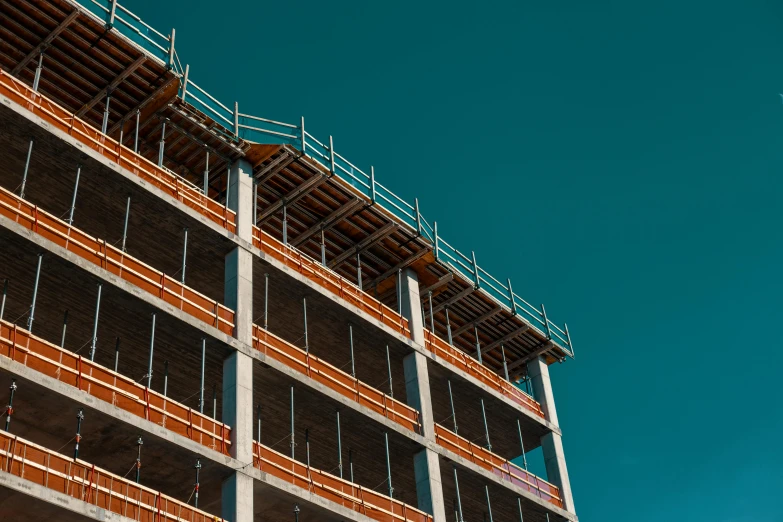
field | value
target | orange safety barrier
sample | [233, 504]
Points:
[163, 179]
[329, 280]
[23, 347]
[116, 261]
[505, 469]
[472, 367]
[294, 357]
[347, 494]
[83, 481]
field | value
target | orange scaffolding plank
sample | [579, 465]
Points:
[472, 367]
[347, 494]
[137, 164]
[83, 481]
[294, 357]
[329, 280]
[21, 346]
[501, 467]
[116, 261]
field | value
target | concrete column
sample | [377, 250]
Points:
[429, 490]
[551, 443]
[237, 503]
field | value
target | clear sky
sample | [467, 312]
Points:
[620, 161]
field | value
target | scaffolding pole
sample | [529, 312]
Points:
[125, 225]
[459, 500]
[489, 505]
[350, 339]
[293, 442]
[478, 344]
[136, 135]
[521, 444]
[258, 415]
[105, 123]
[5, 295]
[65, 326]
[198, 484]
[152, 350]
[266, 301]
[505, 363]
[31, 317]
[37, 79]
[162, 144]
[453, 412]
[26, 169]
[306, 340]
[339, 446]
[486, 426]
[184, 255]
[203, 363]
[285, 224]
[94, 342]
[117, 355]
[73, 198]
[388, 464]
[388, 367]
[448, 326]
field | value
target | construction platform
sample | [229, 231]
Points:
[237, 294]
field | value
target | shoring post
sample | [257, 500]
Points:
[65, 326]
[350, 464]
[38, 70]
[448, 327]
[453, 411]
[418, 216]
[9, 410]
[331, 157]
[339, 446]
[122, 131]
[511, 298]
[546, 322]
[307, 447]
[184, 255]
[388, 464]
[165, 378]
[436, 249]
[125, 226]
[372, 185]
[214, 401]
[293, 441]
[139, 443]
[152, 349]
[94, 342]
[136, 134]
[505, 363]
[489, 505]
[185, 82]
[73, 198]
[31, 317]
[78, 438]
[388, 367]
[519, 505]
[432, 316]
[285, 224]
[350, 343]
[5, 296]
[304, 137]
[196, 486]
[206, 175]
[476, 277]
[296, 512]
[323, 248]
[266, 301]
[162, 144]
[255, 203]
[478, 344]
[459, 500]
[258, 419]
[358, 269]
[236, 119]
[306, 339]
[105, 123]
[203, 363]
[117, 355]
[521, 444]
[399, 291]
[26, 169]
[170, 64]
[486, 426]
[112, 14]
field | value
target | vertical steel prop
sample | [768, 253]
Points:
[448, 327]
[285, 224]
[203, 363]
[125, 225]
[94, 341]
[505, 363]
[459, 500]
[165, 378]
[184, 255]
[451, 402]
[350, 463]
[117, 355]
[306, 339]
[65, 326]
[388, 367]
[358, 270]
[105, 123]
[258, 415]
[136, 135]
[31, 317]
[489, 505]
[432, 316]
[388, 465]
[73, 198]
[519, 505]
[486, 426]
[478, 344]
[521, 445]
[293, 443]
[37, 79]
[266, 301]
[214, 401]
[307, 447]
[399, 292]
[339, 446]
[78, 438]
[206, 176]
[9, 410]
[152, 350]
[196, 486]
[323, 247]
[139, 443]
[26, 170]
[350, 342]
[162, 144]
[5, 295]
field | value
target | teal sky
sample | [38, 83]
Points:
[620, 161]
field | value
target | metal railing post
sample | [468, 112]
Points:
[304, 138]
[170, 63]
[476, 277]
[418, 216]
[372, 185]
[236, 119]
[112, 14]
[511, 297]
[185, 83]
[546, 322]
[437, 244]
[331, 157]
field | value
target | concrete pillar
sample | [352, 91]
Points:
[551, 443]
[237, 503]
[429, 490]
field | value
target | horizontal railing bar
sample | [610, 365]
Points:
[282, 124]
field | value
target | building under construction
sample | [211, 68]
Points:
[208, 315]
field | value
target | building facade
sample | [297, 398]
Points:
[210, 315]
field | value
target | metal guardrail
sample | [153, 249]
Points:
[352, 496]
[110, 258]
[84, 481]
[23, 347]
[262, 130]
